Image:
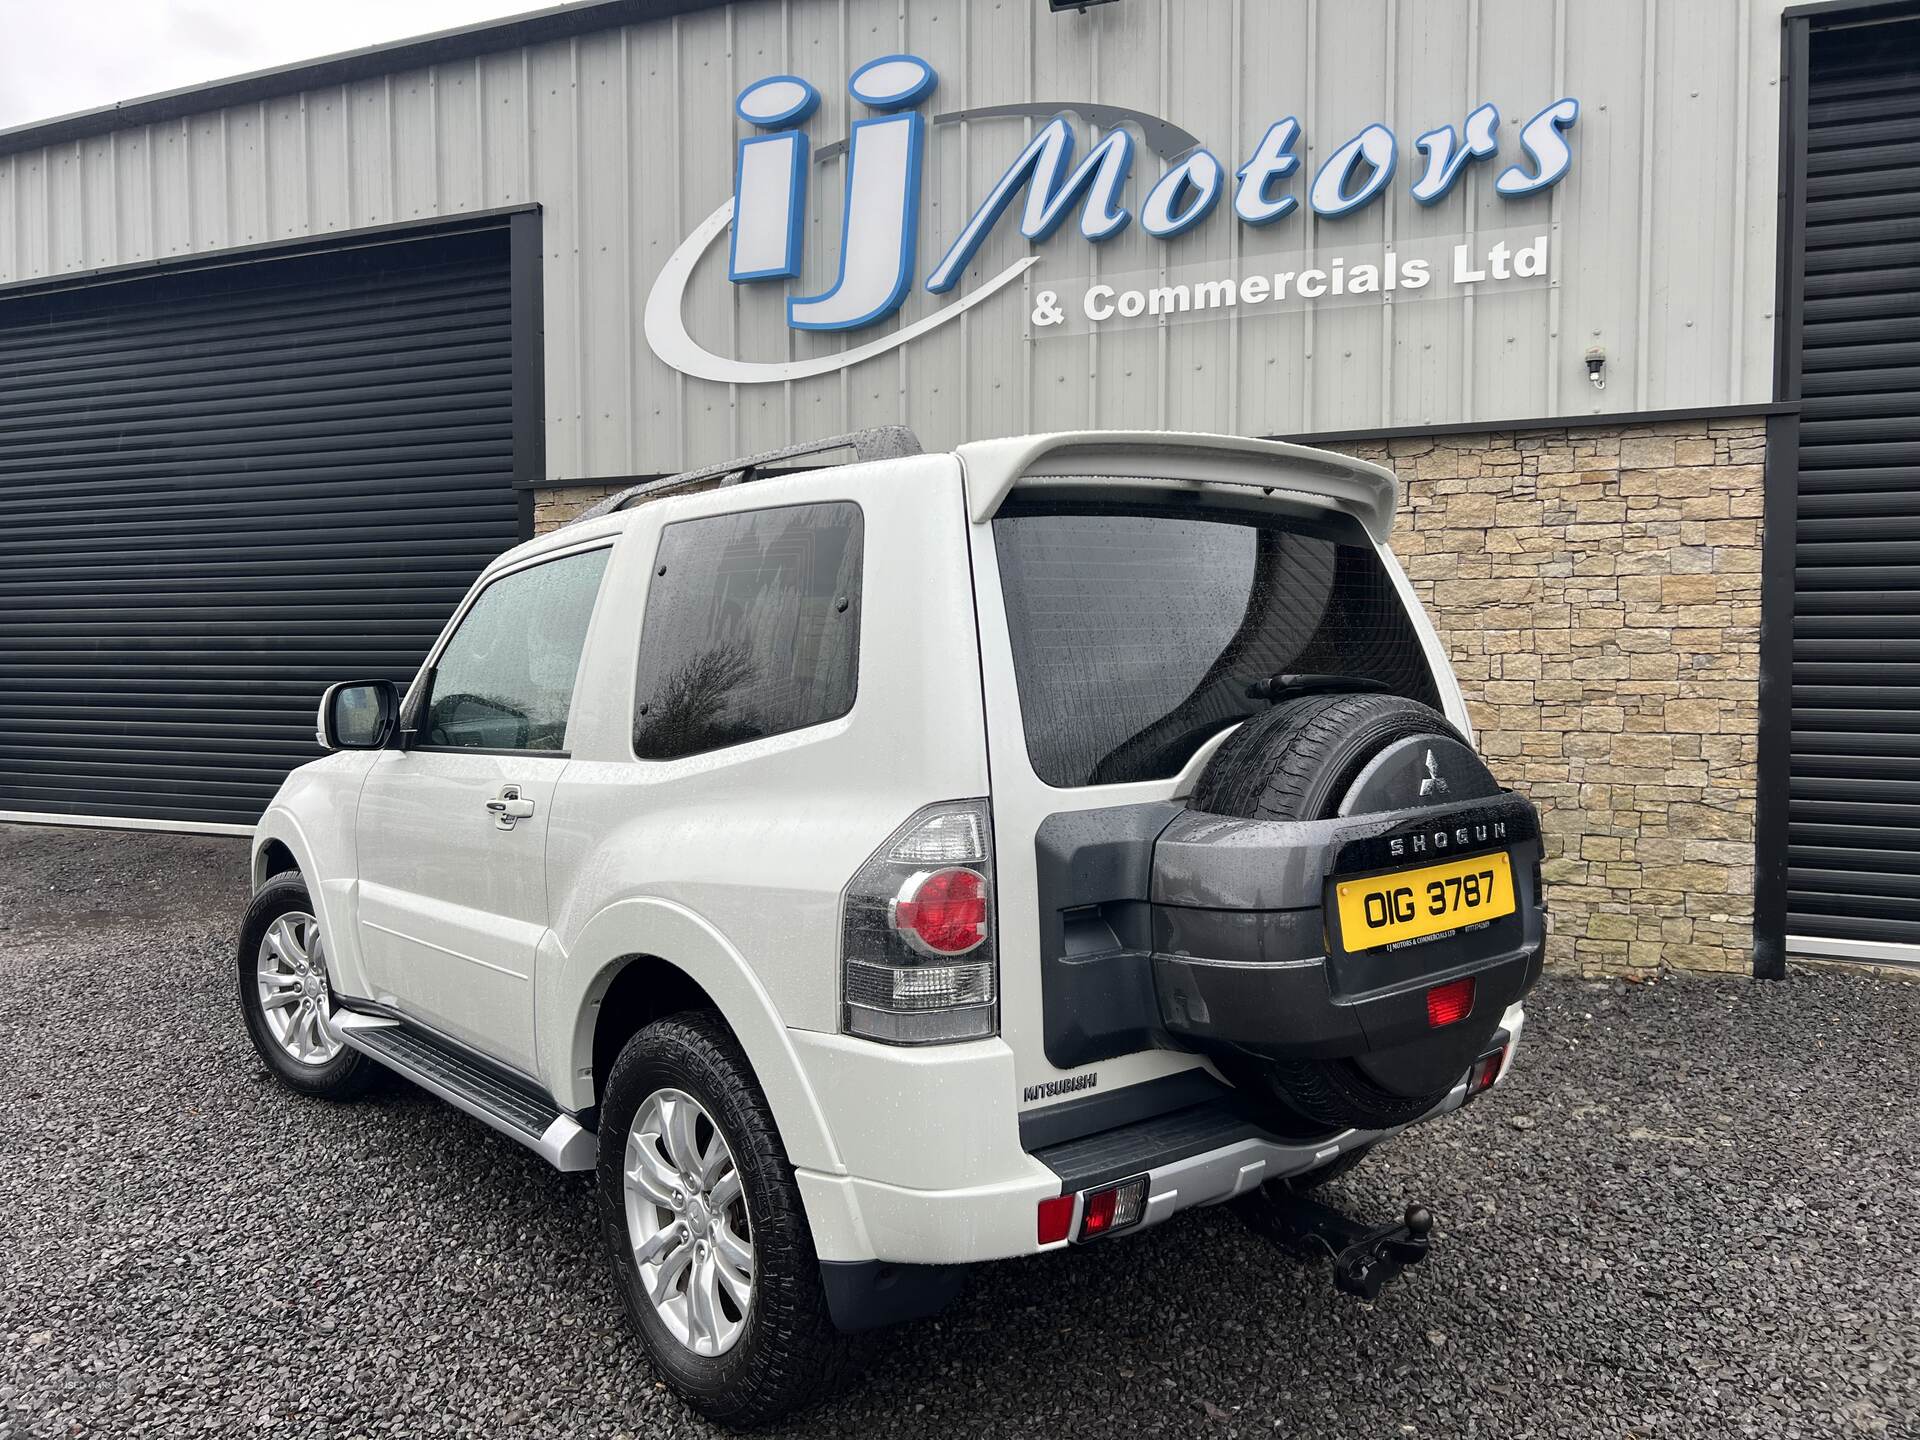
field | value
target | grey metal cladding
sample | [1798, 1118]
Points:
[1663, 231]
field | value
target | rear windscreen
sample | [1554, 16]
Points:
[1136, 632]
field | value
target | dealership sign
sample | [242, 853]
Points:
[1044, 186]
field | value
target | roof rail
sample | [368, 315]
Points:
[881, 442]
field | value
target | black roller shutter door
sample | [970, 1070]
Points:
[1854, 814]
[222, 490]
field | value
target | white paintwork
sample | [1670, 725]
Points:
[991, 1212]
[452, 908]
[1452, 703]
[729, 865]
[1171, 460]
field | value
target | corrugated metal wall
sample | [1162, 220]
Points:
[1664, 228]
[221, 491]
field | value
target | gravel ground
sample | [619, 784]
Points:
[1688, 1214]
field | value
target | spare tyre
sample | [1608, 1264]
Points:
[1318, 757]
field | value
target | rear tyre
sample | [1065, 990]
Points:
[284, 994]
[709, 1237]
[1299, 761]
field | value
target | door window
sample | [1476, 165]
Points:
[504, 681]
[752, 628]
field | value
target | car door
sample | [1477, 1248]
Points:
[452, 829]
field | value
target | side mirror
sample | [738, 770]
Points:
[358, 715]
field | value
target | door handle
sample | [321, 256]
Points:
[507, 807]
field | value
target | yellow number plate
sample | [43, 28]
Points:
[1410, 903]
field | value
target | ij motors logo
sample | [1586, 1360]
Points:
[778, 169]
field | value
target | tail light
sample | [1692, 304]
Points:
[1117, 1207]
[918, 953]
[1105, 1211]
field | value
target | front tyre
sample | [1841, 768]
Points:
[284, 996]
[709, 1236]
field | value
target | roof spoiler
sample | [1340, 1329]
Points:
[994, 467]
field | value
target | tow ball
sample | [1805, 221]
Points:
[1365, 1257]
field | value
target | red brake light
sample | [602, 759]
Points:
[916, 932]
[1056, 1219]
[1098, 1217]
[1450, 1002]
[1114, 1207]
[944, 912]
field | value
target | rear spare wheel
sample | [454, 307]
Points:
[1318, 757]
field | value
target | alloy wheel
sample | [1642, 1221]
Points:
[687, 1223]
[290, 973]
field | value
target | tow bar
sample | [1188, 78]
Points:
[1365, 1257]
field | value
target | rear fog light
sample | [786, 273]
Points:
[1450, 1003]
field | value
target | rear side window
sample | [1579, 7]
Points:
[752, 629]
[1136, 631]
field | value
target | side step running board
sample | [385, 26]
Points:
[515, 1111]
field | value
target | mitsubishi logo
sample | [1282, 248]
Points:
[1433, 784]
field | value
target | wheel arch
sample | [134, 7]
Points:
[278, 845]
[640, 959]
[639, 990]
[282, 843]
[271, 858]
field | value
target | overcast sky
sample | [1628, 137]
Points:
[58, 56]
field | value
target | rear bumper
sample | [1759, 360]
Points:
[1288, 1009]
[858, 1219]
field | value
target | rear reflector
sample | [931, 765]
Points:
[1056, 1219]
[1450, 1003]
[1114, 1208]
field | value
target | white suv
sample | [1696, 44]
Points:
[869, 871]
